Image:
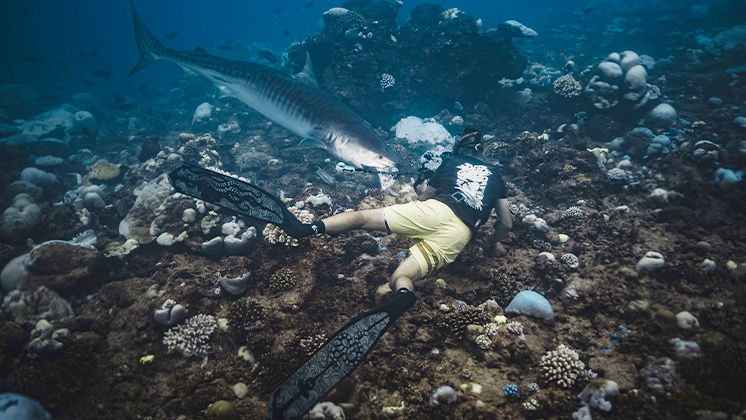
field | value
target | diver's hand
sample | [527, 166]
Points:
[494, 248]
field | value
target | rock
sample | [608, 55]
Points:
[536, 223]
[65, 268]
[530, 303]
[94, 201]
[708, 265]
[141, 222]
[326, 410]
[235, 286]
[609, 70]
[640, 307]
[702, 247]
[651, 261]
[516, 29]
[662, 116]
[239, 245]
[37, 176]
[189, 216]
[17, 406]
[85, 123]
[628, 59]
[12, 272]
[213, 247]
[49, 124]
[170, 314]
[444, 395]
[203, 112]
[18, 187]
[425, 14]
[20, 219]
[596, 392]
[686, 320]
[241, 390]
[222, 410]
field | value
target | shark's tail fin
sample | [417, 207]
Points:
[150, 48]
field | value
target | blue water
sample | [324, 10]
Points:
[86, 36]
[55, 46]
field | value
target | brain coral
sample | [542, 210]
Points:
[282, 279]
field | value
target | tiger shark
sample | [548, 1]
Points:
[296, 102]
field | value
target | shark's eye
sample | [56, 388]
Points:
[380, 157]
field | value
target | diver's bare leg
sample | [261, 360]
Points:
[365, 219]
[405, 275]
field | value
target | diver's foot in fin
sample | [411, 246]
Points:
[297, 229]
[336, 358]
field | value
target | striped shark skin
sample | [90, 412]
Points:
[297, 102]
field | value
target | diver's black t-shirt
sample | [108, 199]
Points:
[469, 187]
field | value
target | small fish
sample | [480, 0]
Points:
[94, 53]
[102, 73]
[126, 107]
[458, 106]
[267, 56]
[285, 32]
[581, 115]
[309, 5]
[279, 11]
[118, 100]
[142, 88]
[544, 80]
[63, 64]
[31, 59]
[82, 53]
[172, 35]
[673, 132]
[61, 88]
[587, 10]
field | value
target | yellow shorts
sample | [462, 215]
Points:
[438, 233]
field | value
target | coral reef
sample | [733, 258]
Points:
[192, 338]
[282, 279]
[567, 87]
[275, 235]
[561, 366]
[627, 201]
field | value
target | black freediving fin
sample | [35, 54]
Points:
[231, 193]
[336, 359]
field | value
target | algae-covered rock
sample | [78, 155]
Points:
[65, 268]
[101, 172]
[142, 222]
[222, 410]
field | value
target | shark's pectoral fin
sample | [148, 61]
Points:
[225, 92]
[310, 143]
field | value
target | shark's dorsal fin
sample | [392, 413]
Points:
[200, 50]
[306, 75]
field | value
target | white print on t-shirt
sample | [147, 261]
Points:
[471, 180]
